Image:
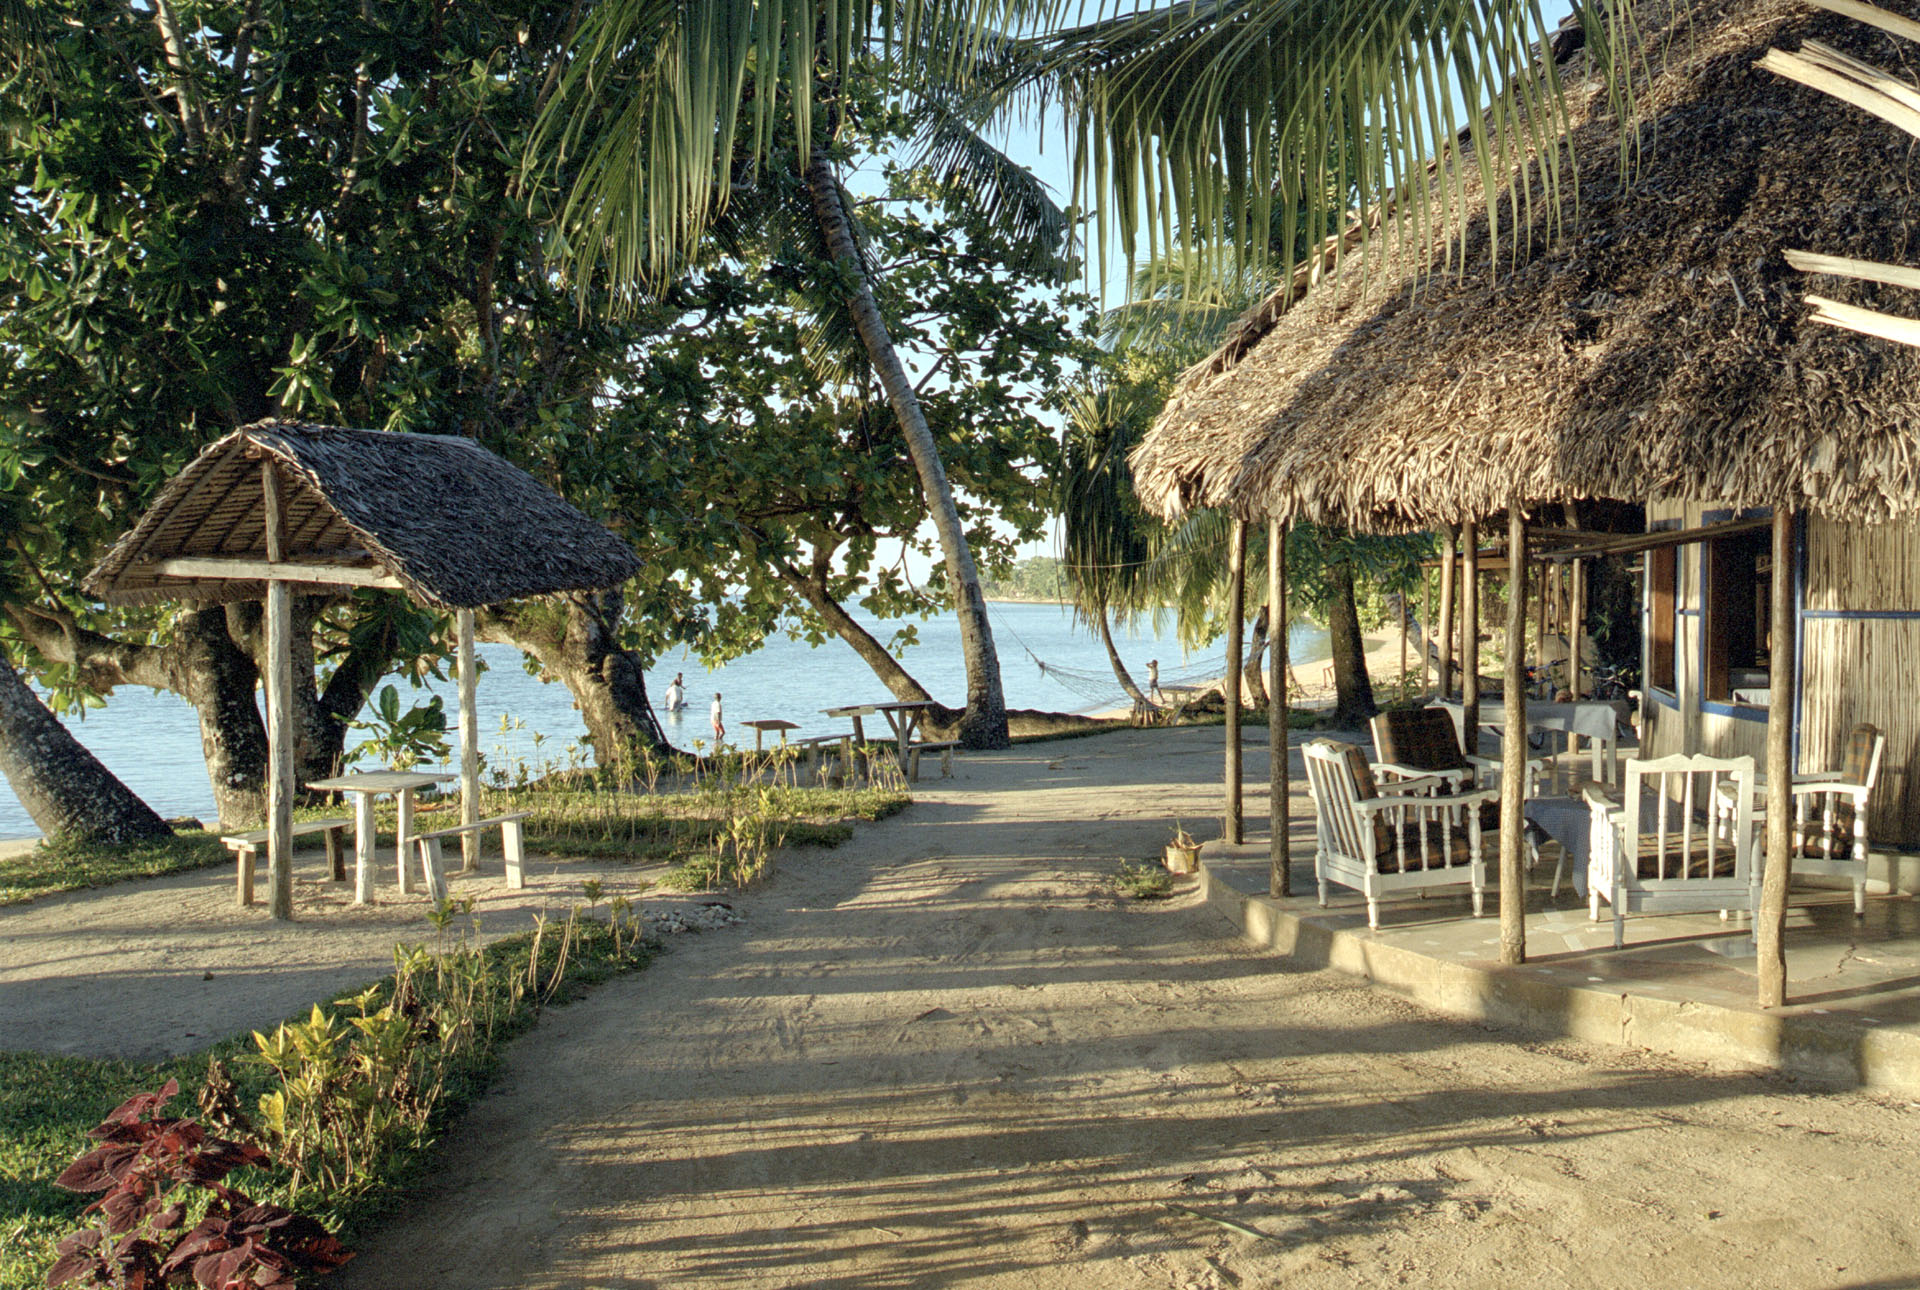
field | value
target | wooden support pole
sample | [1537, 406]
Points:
[1426, 634]
[469, 747]
[1770, 924]
[279, 708]
[1403, 642]
[1447, 619]
[1234, 824]
[1513, 751]
[1279, 785]
[1541, 633]
[1470, 636]
[1577, 632]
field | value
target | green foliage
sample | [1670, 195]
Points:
[73, 866]
[484, 996]
[1143, 880]
[1038, 577]
[402, 740]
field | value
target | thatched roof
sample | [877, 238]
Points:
[1658, 348]
[453, 524]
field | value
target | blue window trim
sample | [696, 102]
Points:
[1862, 614]
[1664, 698]
[1738, 711]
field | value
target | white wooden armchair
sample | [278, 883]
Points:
[1829, 835]
[1412, 839]
[1658, 850]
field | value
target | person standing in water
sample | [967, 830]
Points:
[677, 693]
[719, 726]
[1153, 680]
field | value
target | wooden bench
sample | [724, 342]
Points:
[513, 845]
[816, 751]
[946, 758]
[246, 845]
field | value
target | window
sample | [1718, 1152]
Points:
[1739, 582]
[1663, 585]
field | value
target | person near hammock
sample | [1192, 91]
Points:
[1153, 681]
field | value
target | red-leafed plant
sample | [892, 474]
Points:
[148, 1168]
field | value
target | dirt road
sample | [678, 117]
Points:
[947, 1054]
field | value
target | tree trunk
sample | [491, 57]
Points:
[1353, 693]
[220, 682]
[209, 663]
[65, 789]
[607, 681]
[1113, 657]
[1255, 681]
[985, 723]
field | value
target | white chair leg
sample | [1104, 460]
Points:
[1593, 905]
[513, 846]
[1373, 914]
[1860, 897]
[1619, 928]
[1323, 893]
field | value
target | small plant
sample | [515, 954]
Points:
[1181, 838]
[402, 739]
[150, 1170]
[592, 890]
[1142, 881]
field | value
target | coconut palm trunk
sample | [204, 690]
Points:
[985, 722]
[1120, 672]
[1353, 690]
[67, 792]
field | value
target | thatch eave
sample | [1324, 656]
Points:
[455, 526]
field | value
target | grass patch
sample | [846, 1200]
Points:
[1143, 880]
[74, 866]
[47, 1104]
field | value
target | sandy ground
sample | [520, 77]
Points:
[948, 1054]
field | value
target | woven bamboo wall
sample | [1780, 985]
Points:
[1853, 669]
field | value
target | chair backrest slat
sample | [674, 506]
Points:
[1689, 787]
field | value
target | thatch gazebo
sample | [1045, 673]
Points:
[280, 504]
[1648, 344]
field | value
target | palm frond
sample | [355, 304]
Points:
[948, 142]
[1247, 129]
[658, 98]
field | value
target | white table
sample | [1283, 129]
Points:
[1595, 720]
[363, 787]
[902, 718]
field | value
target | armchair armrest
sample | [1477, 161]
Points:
[1816, 777]
[1833, 785]
[1405, 776]
[1600, 796]
[1374, 805]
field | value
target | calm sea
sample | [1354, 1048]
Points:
[151, 740]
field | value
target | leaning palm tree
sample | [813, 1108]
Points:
[667, 107]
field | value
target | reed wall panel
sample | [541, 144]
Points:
[1862, 566]
[1858, 670]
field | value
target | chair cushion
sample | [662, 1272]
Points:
[1422, 738]
[1387, 860]
[1854, 766]
[1695, 860]
[1363, 783]
[1813, 842]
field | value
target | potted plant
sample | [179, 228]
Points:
[1183, 853]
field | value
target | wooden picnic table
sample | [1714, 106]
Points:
[902, 718]
[762, 726]
[363, 787]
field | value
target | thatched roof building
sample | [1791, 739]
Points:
[438, 517]
[1659, 346]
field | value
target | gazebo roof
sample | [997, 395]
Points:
[1658, 346]
[438, 517]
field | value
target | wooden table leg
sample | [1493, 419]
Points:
[362, 848]
[403, 830]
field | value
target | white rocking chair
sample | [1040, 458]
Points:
[1661, 852]
[1410, 840]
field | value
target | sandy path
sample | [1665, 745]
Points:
[946, 1055]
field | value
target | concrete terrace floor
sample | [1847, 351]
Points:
[1683, 983]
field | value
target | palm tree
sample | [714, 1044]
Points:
[666, 108]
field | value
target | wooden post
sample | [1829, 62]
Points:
[1577, 631]
[279, 708]
[1541, 633]
[1279, 879]
[469, 747]
[1403, 643]
[1470, 636]
[1513, 750]
[1770, 929]
[1426, 634]
[1447, 619]
[1234, 830]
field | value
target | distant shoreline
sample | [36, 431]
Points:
[1027, 600]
